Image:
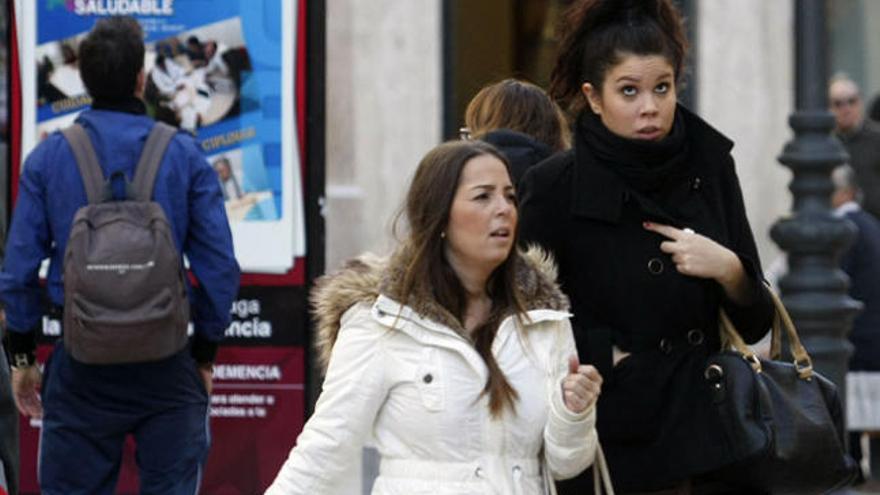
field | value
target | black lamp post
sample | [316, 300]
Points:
[815, 289]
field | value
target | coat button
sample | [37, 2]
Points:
[517, 472]
[655, 266]
[428, 378]
[695, 337]
[478, 472]
[665, 346]
[696, 183]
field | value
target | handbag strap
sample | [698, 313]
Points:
[601, 474]
[781, 322]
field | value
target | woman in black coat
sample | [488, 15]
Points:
[645, 217]
[519, 119]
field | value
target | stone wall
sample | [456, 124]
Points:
[745, 82]
[384, 111]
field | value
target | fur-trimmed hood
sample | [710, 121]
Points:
[364, 278]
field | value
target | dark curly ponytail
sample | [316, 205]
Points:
[595, 34]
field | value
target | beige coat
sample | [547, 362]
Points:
[407, 378]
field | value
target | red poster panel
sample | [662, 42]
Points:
[257, 410]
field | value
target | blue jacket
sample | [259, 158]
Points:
[51, 191]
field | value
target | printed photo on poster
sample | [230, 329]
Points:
[194, 78]
[245, 186]
[222, 71]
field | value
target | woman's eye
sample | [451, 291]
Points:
[662, 88]
[511, 198]
[482, 196]
[628, 90]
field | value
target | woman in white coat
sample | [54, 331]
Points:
[455, 355]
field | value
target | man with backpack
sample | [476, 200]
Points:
[114, 202]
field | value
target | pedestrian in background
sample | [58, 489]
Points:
[646, 219]
[861, 262]
[455, 354]
[520, 120]
[859, 136]
[88, 409]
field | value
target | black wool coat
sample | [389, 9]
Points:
[654, 414]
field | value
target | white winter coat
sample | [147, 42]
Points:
[408, 378]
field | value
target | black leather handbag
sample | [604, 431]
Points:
[783, 422]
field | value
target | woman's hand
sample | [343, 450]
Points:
[581, 387]
[26, 383]
[696, 255]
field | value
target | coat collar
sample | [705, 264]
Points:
[131, 105]
[597, 193]
[391, 314]
[375, 280]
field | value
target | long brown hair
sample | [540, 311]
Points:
[596, 34]
[427, 206]
[519, 106]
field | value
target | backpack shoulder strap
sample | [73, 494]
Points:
[151, 157]
[87, 161]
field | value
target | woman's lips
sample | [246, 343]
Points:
[502, 233]
[649, 133]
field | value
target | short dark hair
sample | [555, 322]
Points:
[596, 34]
[111, 56]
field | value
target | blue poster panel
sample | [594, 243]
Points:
[222, 71]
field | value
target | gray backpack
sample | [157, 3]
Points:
[124, 291]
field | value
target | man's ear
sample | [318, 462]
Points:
[592, 96]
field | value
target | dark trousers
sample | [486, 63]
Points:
[855, 450]
[89, 410]
[8, 428]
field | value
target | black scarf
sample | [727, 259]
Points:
[645, 166]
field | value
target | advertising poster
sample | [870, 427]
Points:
[223, 71]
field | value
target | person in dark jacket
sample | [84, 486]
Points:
[860, 137]
[861, 262]
[646, 219]
[88, 409]
[519, 119]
